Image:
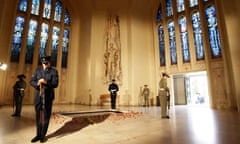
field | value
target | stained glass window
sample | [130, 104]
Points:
[169, 9]
[47, 9]
[184, 39]
[205, 0]
[17, 39]
[161, 45]
[65, 47]
[180, 5]
[32, 30]
[172, 42]
[159, 13]
[197, 33]
[40, 30]
[58, 11]
[35, 7]
[55, 42]
[67, 20]
[213, 32]
[43, 39]
[22, 6]
[193, 3]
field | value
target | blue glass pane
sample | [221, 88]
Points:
[205, 0]
[161, 45]
[159, 13]
[47, 9]
[55, 42]
[184, 39]
[197, 33]
[65, 46]
[213, 32]
[22, 6]
[180, 5]
[169, 10]
[17, 39]
[32, 30]
[193, 3]
[43, 41]
[172, 42]
[35, 7]
[58, 11]
[67, 18]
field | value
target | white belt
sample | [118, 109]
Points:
[161, 89]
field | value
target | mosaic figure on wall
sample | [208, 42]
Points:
[112, 55]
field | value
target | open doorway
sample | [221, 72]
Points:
[197, 88]
[191, 89]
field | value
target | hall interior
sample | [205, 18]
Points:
[74, 124]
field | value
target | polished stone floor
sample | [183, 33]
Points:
[130, 125]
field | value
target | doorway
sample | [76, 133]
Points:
[191, 89]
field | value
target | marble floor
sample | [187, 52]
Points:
[77, 124]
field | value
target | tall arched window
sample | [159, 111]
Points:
[169, 8]
[193, 3]
[180, 5]
[197, 34]
[182, 22]
[159, 13]
[161, 45]
[172, 42]
[213, 32]
[188, 14]
[43, 22]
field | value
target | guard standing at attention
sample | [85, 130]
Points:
[146, 93]
[164, 93]
[18, 94]
[113, 89]
[44, 80]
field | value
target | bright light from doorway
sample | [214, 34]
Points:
[198, 89]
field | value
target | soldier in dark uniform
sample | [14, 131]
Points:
[18, 94]
[113, 89]
[47, 78]
[164, 93]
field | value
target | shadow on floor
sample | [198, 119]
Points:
[77, 123]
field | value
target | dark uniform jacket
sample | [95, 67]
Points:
[113, 88]
[51, 76]
[19, 88]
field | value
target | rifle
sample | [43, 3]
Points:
[168, 101]
[13, 102]
[42, 99]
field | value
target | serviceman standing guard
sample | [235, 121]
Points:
[146, 93]
[18, 95]
[44, 80]
[163, 93]
[113, 89]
